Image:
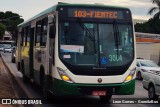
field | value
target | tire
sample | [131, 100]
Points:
[25, 79]
[152, 93]
[44, 87]
[18, 66]
[13, 60]
[139, 76]
[105, 98]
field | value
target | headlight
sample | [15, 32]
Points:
[64, 75]
[130, 76]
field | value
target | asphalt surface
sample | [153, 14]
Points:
[32, 92]
[7, 89]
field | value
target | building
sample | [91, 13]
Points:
[148, 46]
[7, 36]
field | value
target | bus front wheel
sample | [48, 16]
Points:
[44, 88]
[25, 80]
[44, 85]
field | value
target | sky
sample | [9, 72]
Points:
[29, 8]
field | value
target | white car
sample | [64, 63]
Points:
[144, 66]
[1, 47]
[151, 82]
[7, 48]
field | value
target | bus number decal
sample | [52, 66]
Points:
[80, 13]
[115, 58]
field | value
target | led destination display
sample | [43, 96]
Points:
[96, 13]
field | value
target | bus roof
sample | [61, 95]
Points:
[55, 7]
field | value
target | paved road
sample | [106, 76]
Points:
[79, 102]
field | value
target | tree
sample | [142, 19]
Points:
[1, 15]
[151, 26]
[155, 10]
[11, 20]
[155, 22]
[2, 30]
[143, 27]
[154, 25]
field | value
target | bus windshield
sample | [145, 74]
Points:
[96, 44]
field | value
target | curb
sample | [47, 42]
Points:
[26, 93]
[14, 76]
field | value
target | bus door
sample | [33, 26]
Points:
[51, 47]
[25, 50]
[31, 53]
[37, 51]
[18, 49]
[40, 49]
[52, 32]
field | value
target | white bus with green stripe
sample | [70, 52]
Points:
[79, 49]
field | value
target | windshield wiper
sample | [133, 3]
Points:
[89, 34]
[116, 36]
[83, 26]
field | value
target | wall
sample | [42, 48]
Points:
[150, 51]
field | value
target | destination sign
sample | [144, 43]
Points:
[95, 13]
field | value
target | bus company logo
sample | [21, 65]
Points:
[6, 101]
[99, 80]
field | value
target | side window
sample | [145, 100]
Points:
[28, 35]
[38, 33]
[22, 37]
[44, 32]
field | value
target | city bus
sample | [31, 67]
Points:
[79, 49]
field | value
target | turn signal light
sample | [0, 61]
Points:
[129, 77]
[65, 78]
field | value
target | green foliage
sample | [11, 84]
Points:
[1, 15]
[151, 26]
[142, 27]
[155, 10]
[2, 30]
[11, 20]
[154, 25]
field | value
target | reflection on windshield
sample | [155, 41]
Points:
[93, 44]
[148, 64]
[7, 46]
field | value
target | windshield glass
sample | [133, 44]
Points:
[148, 64]
[7, 46]
[96, 44]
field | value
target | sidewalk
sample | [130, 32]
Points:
[6, 87]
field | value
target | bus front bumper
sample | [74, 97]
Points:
[62, 88]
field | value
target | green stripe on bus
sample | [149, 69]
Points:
[64, 88]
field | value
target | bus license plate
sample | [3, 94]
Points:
[99, 93]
